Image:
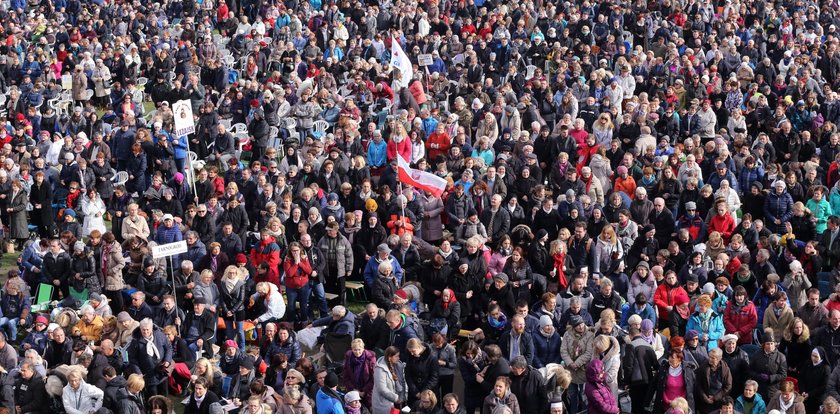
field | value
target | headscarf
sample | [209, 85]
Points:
[647, 326]
[451, 298]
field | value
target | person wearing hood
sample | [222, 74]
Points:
[817, 380]
[267, 250]
[787, 400]
[642, 281]
[150, 353]
[600, 399]
[500, 292]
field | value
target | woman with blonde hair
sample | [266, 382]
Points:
[203, 368]
[607, 250]
[603, 130]
[232, 304]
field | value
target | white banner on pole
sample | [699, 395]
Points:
[184, 122]
[171, 249]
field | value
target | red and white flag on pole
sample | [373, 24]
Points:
[420, 179]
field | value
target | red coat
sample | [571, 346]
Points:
[297, 274]
[441, 143]
[403, 148]
[742, 321]
[267, 251]
[725, 225]
[664, 297]
[398, 229]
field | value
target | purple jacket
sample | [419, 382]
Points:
[599, 397]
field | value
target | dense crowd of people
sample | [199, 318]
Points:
[640, 214]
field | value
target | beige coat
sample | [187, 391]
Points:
[131, 228]
[116, 262]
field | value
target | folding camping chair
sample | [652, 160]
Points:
[42, 298]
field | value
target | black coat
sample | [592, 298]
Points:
[774, 366]
[30, 395]
[204, 408]
[662, 376]
[206, 327]
[529, 389]
[150, 366]
[421, 373]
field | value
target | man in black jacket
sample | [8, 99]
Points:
[199, 328]
[496, 220]
[59, 349]
[373, 329]
[528, 385]
[56, 268]
[30, 391]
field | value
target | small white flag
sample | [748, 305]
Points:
[400, 60]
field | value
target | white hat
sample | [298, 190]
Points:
[167, 217]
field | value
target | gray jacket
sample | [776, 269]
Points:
[344, 254]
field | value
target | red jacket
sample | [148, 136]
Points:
[403, 148]
[297, 275]
[725, 225]
[664, 297]
[741, 321]
[442, 142]
[267, 251]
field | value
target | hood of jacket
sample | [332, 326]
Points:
[595, 371]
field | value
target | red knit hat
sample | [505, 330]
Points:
[401, 294]
[680, 298]
[241, 259]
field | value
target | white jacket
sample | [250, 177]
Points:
[88, 398]
[275, 306]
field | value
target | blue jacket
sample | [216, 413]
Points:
[759, 407]
[371, 272]
[180, 145]
[327, 404]
[30, 259]
[646, 313]
[715, 329]
[546, 350]
[777, 206]
[377, 154]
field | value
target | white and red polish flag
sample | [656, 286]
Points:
[420, 179]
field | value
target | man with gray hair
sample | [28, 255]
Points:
[150, 354]
[339, 322]
[663, 220]
[185, 282]
[528, 385]
[496, 220]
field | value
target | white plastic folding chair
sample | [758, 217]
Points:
[238, 128]
[290, 124]
[225, 123]
[319, 128]
[120, 178]
[530, 69]
[88, 94]
[194, 161]
[141, 83]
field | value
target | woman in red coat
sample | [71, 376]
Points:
[664, 298]
[399, 144]
[438, 143]
[297, 270]
[722, 222]
[740, 317]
